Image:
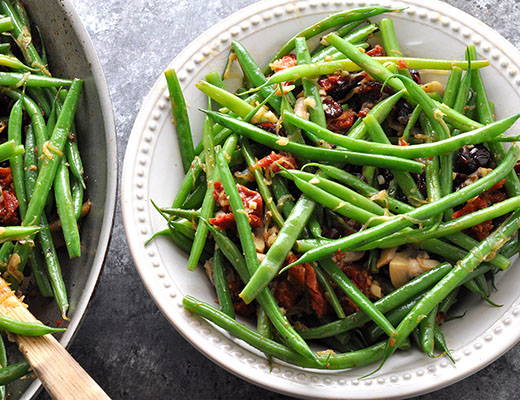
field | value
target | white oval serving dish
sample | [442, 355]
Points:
[152, 170]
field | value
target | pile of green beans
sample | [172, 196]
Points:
[330, 228]
[48, 177]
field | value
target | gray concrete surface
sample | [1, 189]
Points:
[125, 343]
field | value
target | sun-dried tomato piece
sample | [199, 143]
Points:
[252, 201]
[8, 206]
[273, 161]
[331, 107]
[376, 51]
[235, 287]
[267, 126]
[6, 177]
[343, 122]
[484, 200]
[285, 62]
[359, 277]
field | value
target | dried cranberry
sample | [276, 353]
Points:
[416, 76]
[387, 176]
[337, 86]
[331, 107]
[403, 111]
[469, 159]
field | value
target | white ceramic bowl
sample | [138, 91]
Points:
[152, 170]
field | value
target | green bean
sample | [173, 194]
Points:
[38, 123]
[263, 325]
[180, 118]
[9, 150]
[221, 285]
[394, 299]
[341, 18]
[277, 350]
[433, 297]
[254, 75]
[308, 152]
[261, 183]
[395, 316]
[265, 299]
[341, 31]
[10, 373]
[486, 116]
[421, 150]
[330, 295]
[6, 24]
[208, 205]
[196, 198]
[51, 162]
[449, 301]
[330, 53]
[440, 342]
[27, 328]
[376, 68]
[279, 250]
[39, 274]
[310, 87]
[426, 332]
[30, 80]
[182, 226]
[237, 207]
[14, 133]
[330, 201]
[390, 43]
[13, 63]
[423, 212]
[403, 179]
[5, 48]
[65, 208]
[77, 199]
[19, 7]
[5, 252]
[450, 227]
[180, 212]
[452, 87]
[284, 199]
[340, 191]
[54, 269]
[226, 99]
[411, 123]
[352, 291]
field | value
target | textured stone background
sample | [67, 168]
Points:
[125, 343]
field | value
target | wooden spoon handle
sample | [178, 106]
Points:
[61, 375]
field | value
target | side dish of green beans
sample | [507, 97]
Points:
[340, 199]
[42, 184]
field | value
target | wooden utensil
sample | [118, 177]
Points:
[61, 375]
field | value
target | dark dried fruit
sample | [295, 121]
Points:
[420, 182]
[470, 158]
[416, 76]
[386, 176]
[331, 108]
[403, 111]
[337, 86]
